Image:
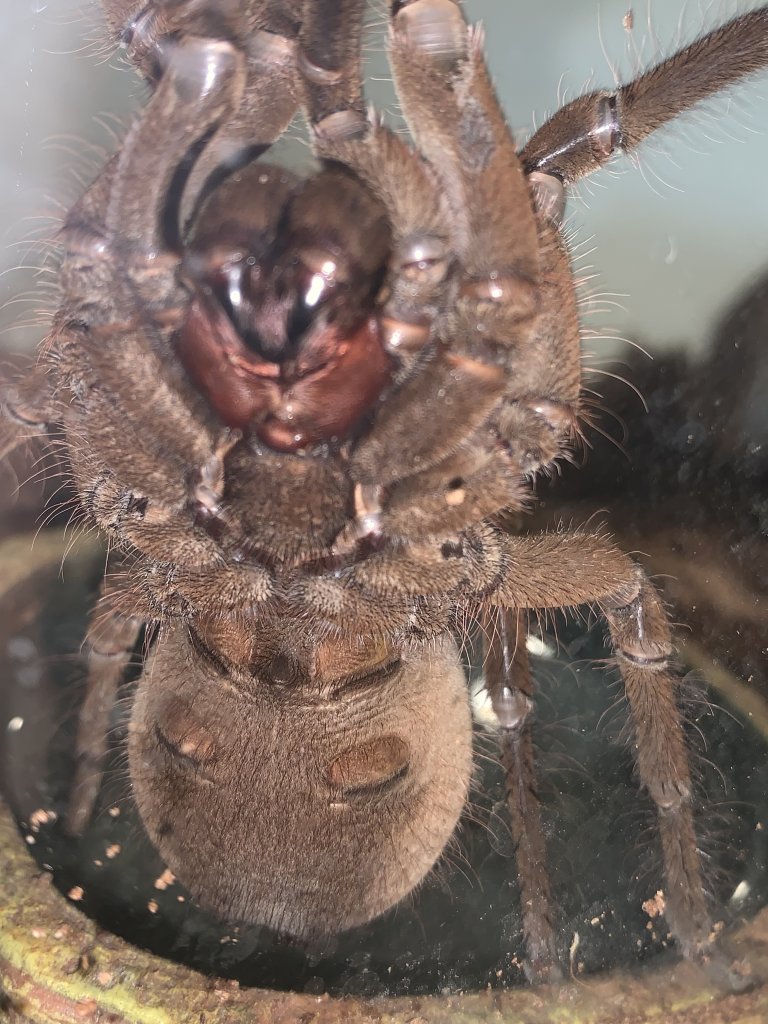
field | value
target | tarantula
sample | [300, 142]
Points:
[305, 412]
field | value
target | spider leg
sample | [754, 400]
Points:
[584, 134]
[201, 85]
[472, 246]
[26, 410]
[558, 571]
[109, 644]
[561, 570]
[510, 687]
[515, 279]
[264, 34]
[455, 118]
[329, 63]
[121, 275]
[123, 302]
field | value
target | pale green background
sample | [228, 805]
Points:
[675, 253]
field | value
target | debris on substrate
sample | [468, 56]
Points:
[56, 965]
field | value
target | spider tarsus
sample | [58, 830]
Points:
[341, 126]
[435, 27]
[548, 193]
[727, 974]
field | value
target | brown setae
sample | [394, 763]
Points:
[305, 414]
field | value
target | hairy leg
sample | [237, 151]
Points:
[563, 570]
[560, 571]
[124, 297]
[584, 134]
[510, 687]
[329, 62]
[108, 647]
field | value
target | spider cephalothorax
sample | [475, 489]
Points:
[303, 411]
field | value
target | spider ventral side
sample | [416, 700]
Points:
[305, 412]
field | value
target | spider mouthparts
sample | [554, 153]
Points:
[283, 336]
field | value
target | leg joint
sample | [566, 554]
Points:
[512, 708]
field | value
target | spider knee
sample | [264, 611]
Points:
[640, 642]
[627, 595]
[511, 707]
[640, 630]
[155, 31]
[670, 795]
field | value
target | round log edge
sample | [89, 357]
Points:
[57, 966]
